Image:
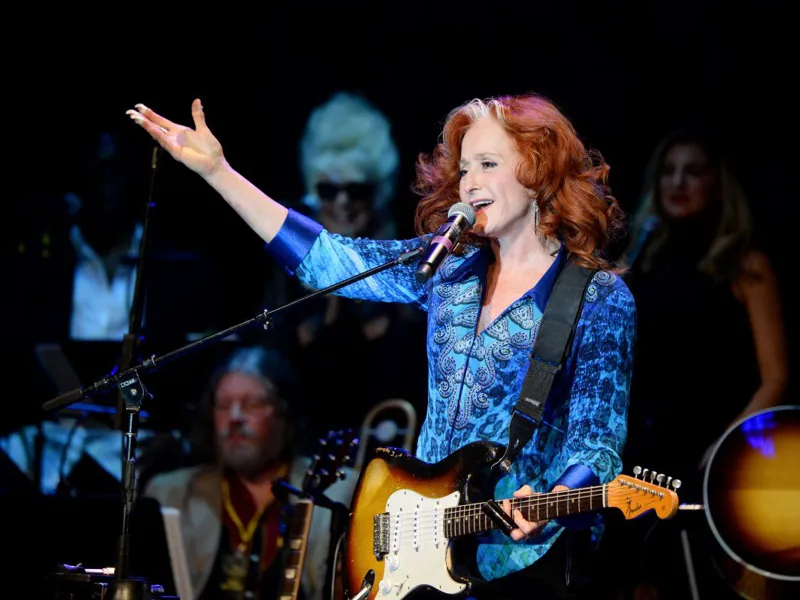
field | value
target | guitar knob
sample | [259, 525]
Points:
[676, 483]
[652, 476]
[660, 479]
[644, 473]
[392, 562]
[636, 470]
[385, 586]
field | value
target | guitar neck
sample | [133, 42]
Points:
[295, 550]
[469, 519]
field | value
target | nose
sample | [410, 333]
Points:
[470, 183]
[678, 177]
[235, 414]
[342, 197]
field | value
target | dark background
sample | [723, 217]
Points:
[624, 72]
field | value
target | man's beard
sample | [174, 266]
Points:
[247, 460]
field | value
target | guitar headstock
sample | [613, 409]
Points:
[634, 496]
[336, 450]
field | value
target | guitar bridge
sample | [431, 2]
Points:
[380, 535]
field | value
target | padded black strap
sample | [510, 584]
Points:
[550, 349]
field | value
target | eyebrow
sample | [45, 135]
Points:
[481, 155]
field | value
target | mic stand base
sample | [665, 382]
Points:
[128, 589]
[77, 583]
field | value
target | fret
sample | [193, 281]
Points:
[470, 519]
[296, 549]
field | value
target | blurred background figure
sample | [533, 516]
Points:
[709, 306]
[79, 250]
[74, 268]
[349, 164]
[350, 355]
[245, 437]
[711, 343]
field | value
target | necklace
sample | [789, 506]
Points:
[245, 534]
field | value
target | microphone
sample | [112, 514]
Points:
[460, 217]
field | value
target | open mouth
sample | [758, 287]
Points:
[481, 205]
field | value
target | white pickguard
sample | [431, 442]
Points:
[418, 548]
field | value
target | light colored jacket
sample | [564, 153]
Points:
[196, 493]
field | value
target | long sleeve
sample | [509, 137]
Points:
[320, 259]
[597, 425]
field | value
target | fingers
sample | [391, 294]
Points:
[157, 132]
[198, 115]
[155, 117]
[525, 528]
[525, 490]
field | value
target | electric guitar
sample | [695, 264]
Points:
[409, 518]
[336, 450]
[751, 498]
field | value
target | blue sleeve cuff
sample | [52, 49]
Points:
[294, 239]
[577, 476]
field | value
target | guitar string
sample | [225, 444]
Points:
[425, 521]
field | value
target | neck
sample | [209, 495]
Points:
[523, 253]
[469, 519]
[260, 484]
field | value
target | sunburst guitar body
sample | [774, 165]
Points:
[410, 519]
[752, 502]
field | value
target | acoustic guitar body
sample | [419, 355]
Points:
[752, 502]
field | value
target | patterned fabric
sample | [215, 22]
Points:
[475, 377]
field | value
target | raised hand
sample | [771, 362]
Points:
[197, 148]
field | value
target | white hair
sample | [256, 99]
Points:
[348, 135]
[478, 108]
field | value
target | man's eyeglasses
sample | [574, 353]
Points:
[364, 192]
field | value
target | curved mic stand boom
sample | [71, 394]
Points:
[132, 394]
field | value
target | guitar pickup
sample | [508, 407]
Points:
[380, 535]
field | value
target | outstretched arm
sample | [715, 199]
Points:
[199, 150]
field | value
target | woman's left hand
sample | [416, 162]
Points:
[526, 529]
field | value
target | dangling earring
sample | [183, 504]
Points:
[543, 239]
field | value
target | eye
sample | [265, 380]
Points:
[461, 173]
[488, 164]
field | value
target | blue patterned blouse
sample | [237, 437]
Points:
[474, 377]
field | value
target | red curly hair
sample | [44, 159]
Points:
[570, 182]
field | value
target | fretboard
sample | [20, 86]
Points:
[469, 519]
[295, 550]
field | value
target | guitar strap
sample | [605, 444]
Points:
[550, 350]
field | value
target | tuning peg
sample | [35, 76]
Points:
[644, 473]
[676, 483]
[653, 476]
[636, 470]
[660, 479]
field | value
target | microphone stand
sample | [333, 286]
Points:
[132, 392]
[129, 400]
